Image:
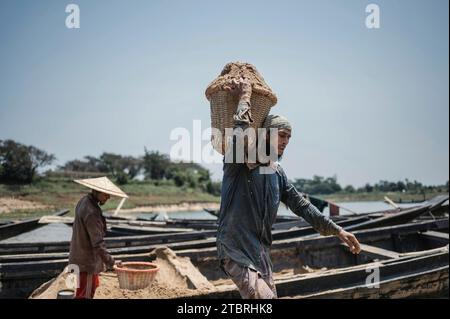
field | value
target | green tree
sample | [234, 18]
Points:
[123, 168]
[318, 185]
[155, 165]
[349, 189]
[20, 163]
[88, 164]
[368, 188]
[214, 188]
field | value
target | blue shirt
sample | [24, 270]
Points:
[249, 204]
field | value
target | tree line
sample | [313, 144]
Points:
[151, 166]
[319, 185]
[20, 163]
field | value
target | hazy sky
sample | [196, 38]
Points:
[365, 104]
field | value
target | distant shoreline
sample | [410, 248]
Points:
[170, 208]
[397, 197]
[48, 195]
[44, 197]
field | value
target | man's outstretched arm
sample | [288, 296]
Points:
[300, 206]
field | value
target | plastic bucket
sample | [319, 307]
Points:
[66, 294]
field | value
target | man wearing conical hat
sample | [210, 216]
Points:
[251, 194]
[87, 247]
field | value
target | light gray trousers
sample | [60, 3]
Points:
[251, 284]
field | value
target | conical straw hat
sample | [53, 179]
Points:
[102, 184]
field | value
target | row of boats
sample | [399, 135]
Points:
[404, 254]
[12, 228]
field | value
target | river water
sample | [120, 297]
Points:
[61, 232]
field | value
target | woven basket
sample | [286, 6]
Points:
[223, 105]
[136, 275]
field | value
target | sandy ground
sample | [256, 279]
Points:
[177, 277]
[10, 204]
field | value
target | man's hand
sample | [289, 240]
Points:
[110, 267]
[350, 240]
[241, 88]
[110, 263]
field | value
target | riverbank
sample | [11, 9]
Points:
[398, 197]
[171, 208]
[25, 201]
[50, 194]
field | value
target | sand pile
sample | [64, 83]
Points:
[177, 277]
[179, 269]
[236, 70]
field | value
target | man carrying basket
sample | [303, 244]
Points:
[250, 200]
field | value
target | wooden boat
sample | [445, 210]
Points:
[188, 223]
[421, 274]
[409, 262]
[20, 274]
[412, 261]
[110, 216]
[279, 219]
[142, 241]
[136, 228]
[205, 224]
[443, 210]
[282, 222]
[291, 230]
[33, 264]
[14, 228]
[366, 221]
[384, 218]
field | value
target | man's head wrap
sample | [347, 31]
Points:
[277, 121]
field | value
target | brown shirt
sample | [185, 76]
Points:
[88, 248]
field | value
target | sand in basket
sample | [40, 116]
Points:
[223, 104]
